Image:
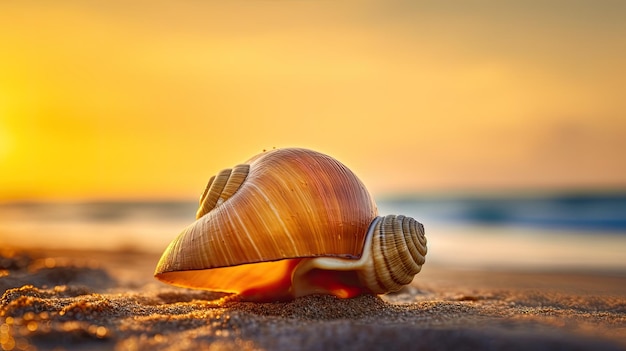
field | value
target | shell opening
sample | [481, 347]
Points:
[393, 254]
[332, 275]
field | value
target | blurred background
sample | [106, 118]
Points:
[499, 125]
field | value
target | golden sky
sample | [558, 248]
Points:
[148, 99]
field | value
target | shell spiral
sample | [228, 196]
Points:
[398, 250]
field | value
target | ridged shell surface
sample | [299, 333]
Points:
[286, 203]
[398, 252]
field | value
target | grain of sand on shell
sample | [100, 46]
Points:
[55, 300]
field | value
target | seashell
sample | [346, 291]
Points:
[288, 223]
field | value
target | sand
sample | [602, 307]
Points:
[77, 300]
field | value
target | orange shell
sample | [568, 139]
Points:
[294, 203]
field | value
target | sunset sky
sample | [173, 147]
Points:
[148, 99]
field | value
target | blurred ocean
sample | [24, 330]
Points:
[566, 231]
[606, 213]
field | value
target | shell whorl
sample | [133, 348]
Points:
[221, 187]
[398, 250]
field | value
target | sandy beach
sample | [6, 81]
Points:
[101, 300]
[269, 130]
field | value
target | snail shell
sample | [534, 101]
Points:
[288, 223]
